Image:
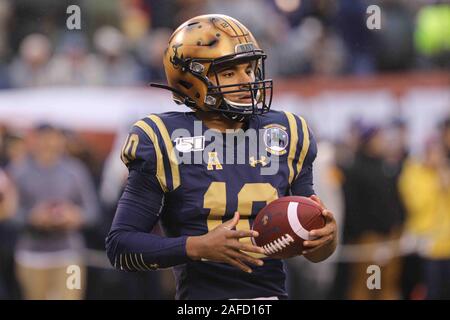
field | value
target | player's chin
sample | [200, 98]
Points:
[245, 100]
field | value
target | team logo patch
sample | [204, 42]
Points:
[276, 139]
[188, 144]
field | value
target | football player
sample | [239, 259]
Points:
[214, 66]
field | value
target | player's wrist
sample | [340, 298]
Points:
[193, 247]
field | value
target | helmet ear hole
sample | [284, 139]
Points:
[185, 84]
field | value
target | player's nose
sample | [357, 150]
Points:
[245, 77]
[245, 80]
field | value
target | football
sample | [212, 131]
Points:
[284, 224]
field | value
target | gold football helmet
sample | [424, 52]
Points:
[198, 49]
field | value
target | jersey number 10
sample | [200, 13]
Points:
[215, 199]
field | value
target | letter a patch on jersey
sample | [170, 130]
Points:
[213, 161]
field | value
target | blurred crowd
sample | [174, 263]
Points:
[389, 195]
[121, 41]
[50, 213]
[393, 210]
[57, 197]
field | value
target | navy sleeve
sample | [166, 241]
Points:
[130, 246]
[303, 183]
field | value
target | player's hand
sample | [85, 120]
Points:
[324, 236]
[222, 245]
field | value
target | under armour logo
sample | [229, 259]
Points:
[263, 161]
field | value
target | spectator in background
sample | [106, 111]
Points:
[5, 18]
[347, 147]
[445, 135]
[8, 197]
[432, 34]
[397, 149]
[79, 149]
[425, 187]
[3, 139]
[397, 27]
[161, 13]
[396, 152]
[256, 14]
[11, 147]
[350, 21]
[150, 53]
[15, 149]
[328, 54]
[186, 9]
[5, 15]
[117, 68]
[310, 48]
[31, 69]
[135, 21]
[8, 205]
[73, 65]
[44, 16]
[4, 76]
[56, 199]
[371, 214]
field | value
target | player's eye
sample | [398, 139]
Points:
[228, 74]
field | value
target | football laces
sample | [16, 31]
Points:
[278, 244]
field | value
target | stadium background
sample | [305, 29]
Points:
[369, 95]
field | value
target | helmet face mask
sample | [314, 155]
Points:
[197, 52]
[259, 90]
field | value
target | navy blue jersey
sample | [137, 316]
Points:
[192, 179]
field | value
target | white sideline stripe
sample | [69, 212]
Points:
[294, 222]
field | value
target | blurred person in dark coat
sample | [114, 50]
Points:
[56, 199]
[372, 214]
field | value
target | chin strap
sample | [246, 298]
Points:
[186, 100]
[236, 117]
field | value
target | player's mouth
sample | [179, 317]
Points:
[245, 99]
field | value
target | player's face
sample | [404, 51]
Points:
[240, 73]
